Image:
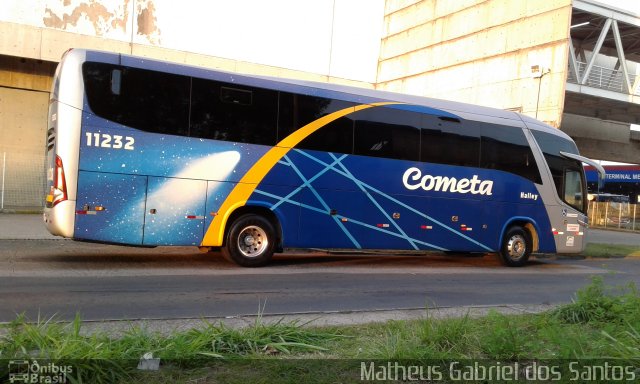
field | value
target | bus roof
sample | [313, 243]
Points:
[328, 90]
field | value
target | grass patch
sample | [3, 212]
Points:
[600, 323]
[610, 250]
[98, 358]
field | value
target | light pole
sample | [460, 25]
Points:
[539, 72]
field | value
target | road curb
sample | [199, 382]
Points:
[117, 328]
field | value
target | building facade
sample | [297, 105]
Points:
[570, 63]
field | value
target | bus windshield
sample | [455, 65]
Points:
[568, 174]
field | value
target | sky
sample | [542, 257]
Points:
[629, 5]
[338, 38]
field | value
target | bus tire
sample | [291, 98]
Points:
[516, 247]
[250, 241]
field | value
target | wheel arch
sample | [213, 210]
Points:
[260, 210]
[528, 224]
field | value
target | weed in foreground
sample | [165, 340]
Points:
[98, 358]
[599, 304]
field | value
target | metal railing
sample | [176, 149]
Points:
[614, 215]
[605, 78]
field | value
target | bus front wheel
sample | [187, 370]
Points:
[516, 247]
[250, 241]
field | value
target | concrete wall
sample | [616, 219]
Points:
[24, 98]
[479, 51]
[603, 139]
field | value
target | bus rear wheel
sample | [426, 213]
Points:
[516, 247]
[250, 241]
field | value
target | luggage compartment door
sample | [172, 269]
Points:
[175, 211]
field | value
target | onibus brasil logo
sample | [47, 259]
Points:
[34, 372]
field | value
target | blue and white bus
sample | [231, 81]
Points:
[149, 153]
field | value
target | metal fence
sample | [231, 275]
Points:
[614, 215]
[606, 78]
[22, 181]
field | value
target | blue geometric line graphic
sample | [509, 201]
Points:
[352, 221]
[285, 200]
[410, 239]
[396, 201]
[308, 184]
[363, 189]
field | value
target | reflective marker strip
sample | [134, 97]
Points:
[194, 217]
[426, 227]
[86, 212]
[382, 225]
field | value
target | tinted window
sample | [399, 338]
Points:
[296, 111]
[387, 132]
[573, 189]
[232, 112]
[449, 141]
[146, 100]
[551, 145]
[506, 149]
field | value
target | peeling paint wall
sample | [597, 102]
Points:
[147, 21]
[80, 17]
[333, 38]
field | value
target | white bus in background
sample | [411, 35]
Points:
[609, 210]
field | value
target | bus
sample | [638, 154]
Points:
[608, 209]
[150, 153]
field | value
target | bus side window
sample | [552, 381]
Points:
[573, 189]
[387, 132]
[231, 112]
[138, 98]
[449, 141]
[296, 111]
[507, 149]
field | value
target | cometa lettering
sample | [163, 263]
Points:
[413, 179]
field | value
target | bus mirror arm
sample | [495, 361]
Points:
[601, 172]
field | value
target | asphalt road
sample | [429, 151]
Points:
[46, 277]
[613, 237]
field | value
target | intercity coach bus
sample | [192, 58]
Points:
[150, 153]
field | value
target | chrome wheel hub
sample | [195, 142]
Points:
[252, 241]
[516, 247]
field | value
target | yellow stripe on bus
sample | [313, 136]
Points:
[238, 197]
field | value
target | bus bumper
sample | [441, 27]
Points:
[60, 220]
